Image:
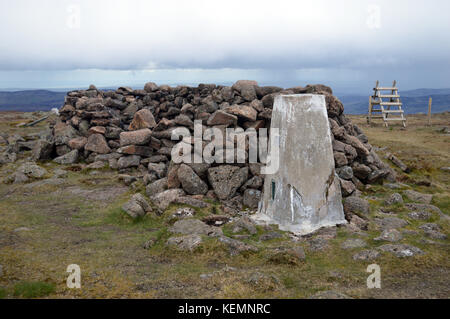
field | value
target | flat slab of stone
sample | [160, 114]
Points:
[390, 223]
[235, 246]
[188, 242]
[418, 197]
[366, 255]
[353, 243]
[401, 250]
[194, 227]
[392, 235]
[304, 194]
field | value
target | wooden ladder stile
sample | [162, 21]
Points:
[388, 108]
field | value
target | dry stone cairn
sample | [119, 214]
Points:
[131, 129]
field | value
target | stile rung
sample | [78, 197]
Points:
[394, 119]
[387, 103]
[393, 111]
[385, 89]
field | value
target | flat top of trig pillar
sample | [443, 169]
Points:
[300, 95]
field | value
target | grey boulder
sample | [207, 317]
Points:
[137, 206]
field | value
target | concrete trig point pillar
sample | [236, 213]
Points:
[304, 194]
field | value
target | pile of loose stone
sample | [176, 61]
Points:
[130, 130]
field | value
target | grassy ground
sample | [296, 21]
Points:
[80, 222]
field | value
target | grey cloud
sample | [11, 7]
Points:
[279, 37]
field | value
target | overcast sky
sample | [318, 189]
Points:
[347, 44]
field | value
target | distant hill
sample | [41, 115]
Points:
[31, 100]
[414, 101]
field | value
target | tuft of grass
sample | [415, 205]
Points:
[290, 281]
[214, 210]
[33, 289]
[395, 208]
[283, 258]
[3, 293]
[116, 216]
[443, 202]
